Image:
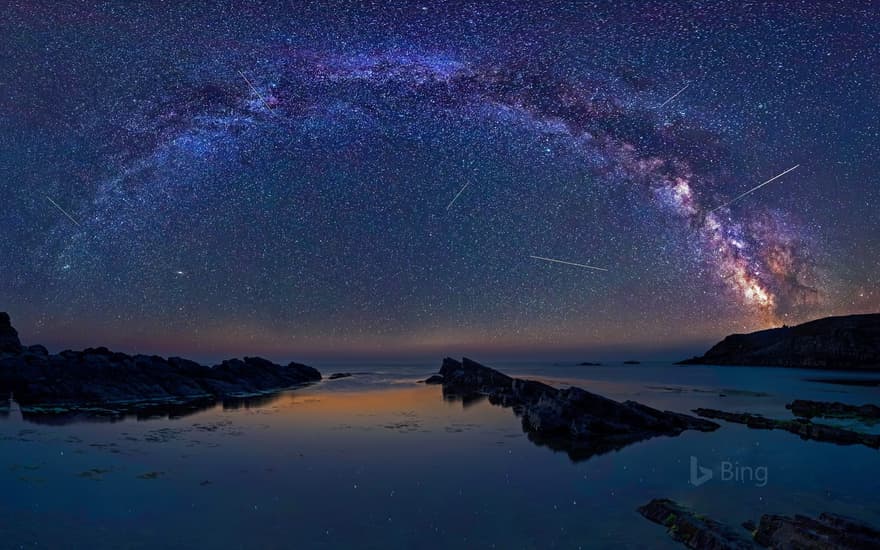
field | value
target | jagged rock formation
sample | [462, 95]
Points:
[574, 420]
[100, 376]
[850, 342]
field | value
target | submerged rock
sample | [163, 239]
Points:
[802, 427]
[827, 532]
[866, 382]
[805, 408]
[338, 375]
[574, 420]
[694, 530]
[849, 342]
[589, 364]
[97, 376]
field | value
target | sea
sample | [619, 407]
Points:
[379, 460]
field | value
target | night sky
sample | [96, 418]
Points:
[373, 179]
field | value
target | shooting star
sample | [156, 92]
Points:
[568, 263]
[457, 195]
[55, 204]
[675, 95]
[753, 189]
[265, 104]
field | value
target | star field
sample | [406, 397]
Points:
[342, 177]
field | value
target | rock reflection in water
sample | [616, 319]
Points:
[577, 451]
[141, 411]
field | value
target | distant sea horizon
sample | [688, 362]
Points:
[525, 353]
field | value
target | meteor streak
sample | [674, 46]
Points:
[55, 204]
[675, 95]
[753, 189]
[568, 263]
[266, 105]
[456, 196]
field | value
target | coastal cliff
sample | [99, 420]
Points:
[850, 342]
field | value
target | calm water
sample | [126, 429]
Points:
[378, 461]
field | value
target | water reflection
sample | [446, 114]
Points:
[466, 400]
[577, 451]
[382, 460]
[350, 401]
[140, 411]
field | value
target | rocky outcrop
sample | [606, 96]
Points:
[9, 342]
[694, 530]
[98, 376]
[827, 532]
[833, 409]
[434, 379]
[573, 420]
[801, 427]
[850, 342]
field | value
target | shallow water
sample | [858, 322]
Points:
[379, 461]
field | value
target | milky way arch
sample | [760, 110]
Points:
[614, 122]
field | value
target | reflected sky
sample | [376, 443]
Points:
[380, 458]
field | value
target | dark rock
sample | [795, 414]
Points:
[850, 342]
[827, 532]
[98, 377]
[574, 420]
[338, 375]
[434, 379]
[9, 341]
[866, 382]
[589, 364]
[809, 409]
[99, 351]
[632, 362]
[802, 427]
[693, 530]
